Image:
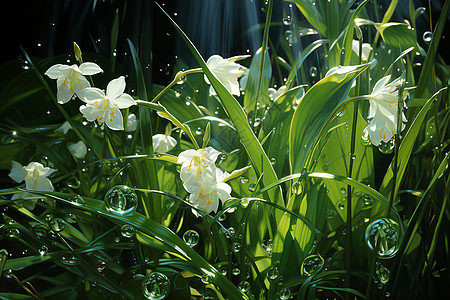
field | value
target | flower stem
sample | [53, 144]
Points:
[178, 76]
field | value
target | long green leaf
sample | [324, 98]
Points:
[258, 157]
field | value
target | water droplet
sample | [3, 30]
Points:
[287, 20]
[155, 286]
[244, 179]
[236, 271]
[383, 273]
[43, 250]
[273, 161]
[343, 190]
[127, 231]
[70, 218]
[341, 206]
[121, 200]
[70, 260]
[57, 224]
[207, 279]
[236, 247]
[383, 236]
[297, 188]
[182, 79]
[40, 230]
[288, 34]
[387, 148]
[285, 294]
[245, 202]
[313, 71]
[273, 273]
[78, 199]
[8, 273]
[367, 201]
[427, 36]
[10, 138]
[12, 233]
[365, 139]
[312, 264]
[244, 286]
[191, 238]
[252, 187]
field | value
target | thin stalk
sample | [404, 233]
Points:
[263, 53]
[348, 229]
[178, 76]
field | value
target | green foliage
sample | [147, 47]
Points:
[307, 182]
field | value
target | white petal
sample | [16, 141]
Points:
[381, 84]
[124, 101]
[114, 120]
[78, 150]
[53, 72]
[64, 128]
[212, 153]
[17, 172]
[115, 87]
[89, 68]
[89, 112]
[92, 94]
[65, 92]
[81, 84]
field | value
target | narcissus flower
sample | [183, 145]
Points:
[206, 192]
[105, 108]
[163, 143]
[70, 79]
[383, 110]
[35, 176]
[198, 164]
[227, 71]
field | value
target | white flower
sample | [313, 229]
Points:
[78, 150]
[365, 52]
[227, 72]
[64, 128]
[383, 110]
[274, 94]
[105, 108]
[131, 122]
[163, 143]
[206, 192]
[70, 79]
[198, 164]
[35, 176]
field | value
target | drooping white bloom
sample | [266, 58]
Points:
[274, 94]
[35, 176]
[163, 143]
[131, 122]
[105, 108]
[383, 110]
[70, 79]
[78, 150]
[64, 128]
[206, 192]
[198, 164]
[227, 71]
[365, 52]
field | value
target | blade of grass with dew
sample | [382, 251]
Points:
[425, 84]
[147, 176]
[313, 113]
[258, 157]
[160, 233]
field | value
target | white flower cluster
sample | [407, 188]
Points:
[100, 106]
[202, 179]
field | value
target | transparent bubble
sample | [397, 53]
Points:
[127, 231]
[57, 224]
[155, 286]
[313, 71]
[427, 36]
[287, 20]
[43, 250]
[121, 200]
[297, 187]
[273, 273]
[191, 238]
[312, 264]
[387, 148]
[285, 294]
[244, 286]
[12, 233]
[70, 260]
[383, 237]
[207, 279]
[383, 273]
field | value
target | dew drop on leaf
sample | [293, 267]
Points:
[155, 286]
[127, 231]
[312, 264]
[383, 237]
[191, 238]
[121, 200]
